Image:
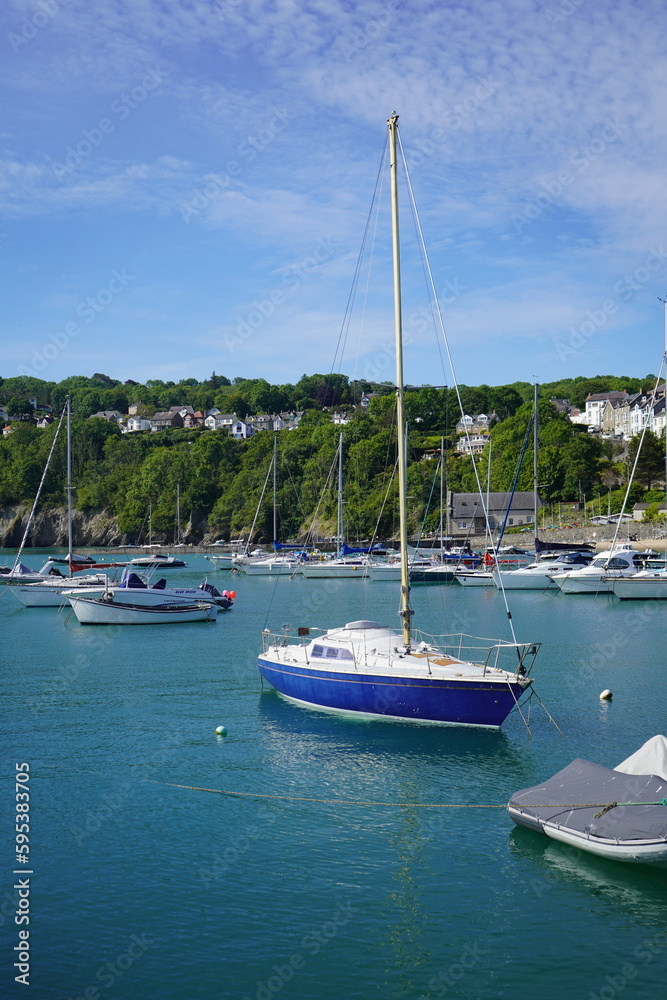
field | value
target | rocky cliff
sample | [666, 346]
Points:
[49, 528]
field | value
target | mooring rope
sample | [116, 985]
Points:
[404, 805]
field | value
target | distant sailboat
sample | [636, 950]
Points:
[45, 588]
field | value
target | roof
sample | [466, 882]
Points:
[165, 415]
[522, 500]
[619, 395]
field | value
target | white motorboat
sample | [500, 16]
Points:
[109, 611]
[599, 577]
[647, 584]
[157, 561]
[538, 575]
[617, 813]
[137, 590]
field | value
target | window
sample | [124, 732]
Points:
[511, 520]
[462, 524]
[331, 652]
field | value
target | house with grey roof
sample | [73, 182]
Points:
[115, 415]
[466, 511]
[165, 419]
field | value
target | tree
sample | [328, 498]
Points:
[20, 408]
[651, 462]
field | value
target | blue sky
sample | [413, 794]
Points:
[184, 186]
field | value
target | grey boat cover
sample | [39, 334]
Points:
[572, 798]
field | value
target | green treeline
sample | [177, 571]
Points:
[220, 480]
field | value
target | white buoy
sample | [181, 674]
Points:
[221, 731]
[606, 695]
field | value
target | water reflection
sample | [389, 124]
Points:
[639, 891]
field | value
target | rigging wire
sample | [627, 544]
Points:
[441, 325]
[37, 495]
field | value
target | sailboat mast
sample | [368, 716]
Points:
[69, 481]
[405, 611]
[275, 486]
[339, 525]
[665, 432]
[178, 513]
[535, 445]
[442, 486]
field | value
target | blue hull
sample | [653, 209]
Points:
[424, 699]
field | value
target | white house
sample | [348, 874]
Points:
[136, 423]
[217, 421]
[472, 444]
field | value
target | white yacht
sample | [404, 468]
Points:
[539, 574]
[599, 577]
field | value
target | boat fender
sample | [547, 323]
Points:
[232, 595]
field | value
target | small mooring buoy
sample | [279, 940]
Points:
[606, 695]
[221, 731]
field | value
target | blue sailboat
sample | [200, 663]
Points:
[366, 669]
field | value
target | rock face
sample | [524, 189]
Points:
[49, 528]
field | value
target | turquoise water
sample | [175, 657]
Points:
[142, 890]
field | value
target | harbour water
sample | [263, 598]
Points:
[141, 889]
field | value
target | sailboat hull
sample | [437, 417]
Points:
[332, 570]
[484, 704]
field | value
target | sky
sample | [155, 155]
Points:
[185, 187]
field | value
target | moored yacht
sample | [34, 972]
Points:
[599, 577]
[539, 574]
[647, 584]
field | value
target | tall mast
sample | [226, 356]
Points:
[442, 485]
[178, 513]
[69, 481]
[275, 483]
[405, 611]
[665, 362]
[339, 526]
[535, 440]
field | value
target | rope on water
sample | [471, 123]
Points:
[604, 806]
[335, 802]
